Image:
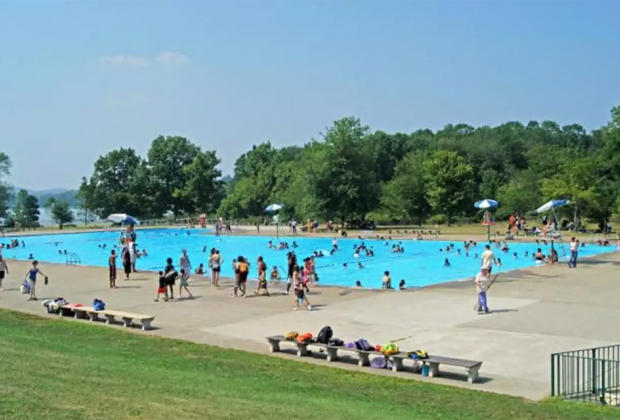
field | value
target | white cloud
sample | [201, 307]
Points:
[124, 60]
[171, 58]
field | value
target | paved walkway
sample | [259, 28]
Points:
[534, 313]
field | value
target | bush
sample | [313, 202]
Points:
[439, 219]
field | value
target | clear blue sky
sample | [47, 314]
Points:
[79, 78]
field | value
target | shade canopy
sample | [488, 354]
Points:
[551, 205]
[486, 204]
[123, 218]
[274, 207]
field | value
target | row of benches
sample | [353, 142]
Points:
[88, 312]
[472, 367]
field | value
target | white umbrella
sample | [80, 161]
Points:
[274, 207]
[123, 219]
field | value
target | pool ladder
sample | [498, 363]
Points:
[73, 258]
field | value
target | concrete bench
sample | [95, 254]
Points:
[471, 366]
[86, 312]
[128, 318]
[363, 357]
[331, 351]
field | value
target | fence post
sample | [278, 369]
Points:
[594, 380]
[553, 375]
[603, 380]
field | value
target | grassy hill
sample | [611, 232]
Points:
[57, 369]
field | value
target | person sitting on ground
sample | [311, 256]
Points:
[200, 270]
[402, 285]
[387, 280]
[446, 263]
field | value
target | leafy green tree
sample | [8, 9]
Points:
[60, 211]
[167, 158]
[404, 197]
[449, 180]
[520, 196]
[110, 189]
[340, 172]
[5, 189]
[203, 188]
[26, 209]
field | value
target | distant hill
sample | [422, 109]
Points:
[64, 194]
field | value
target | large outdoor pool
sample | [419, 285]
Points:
[420, 265]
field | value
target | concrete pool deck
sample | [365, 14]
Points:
[534, 312]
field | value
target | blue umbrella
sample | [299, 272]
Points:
[552, 205]
[486, 204]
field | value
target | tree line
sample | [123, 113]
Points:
[354, 174]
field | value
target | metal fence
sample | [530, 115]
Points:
[591, 375]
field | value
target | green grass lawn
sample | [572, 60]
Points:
[54, 369]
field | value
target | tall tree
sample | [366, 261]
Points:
[340, 172]
[450, 183]
[203, 187]
[404, 197]
[109, 189]
[60, 212]
[167, 158]
[26, 209]
[5, 188]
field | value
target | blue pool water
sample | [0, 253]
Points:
[420, 265]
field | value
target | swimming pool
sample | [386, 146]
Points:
[420, 265]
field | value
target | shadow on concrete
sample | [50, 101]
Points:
[501, 311]
[596, 262]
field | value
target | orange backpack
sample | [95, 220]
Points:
[302, 338]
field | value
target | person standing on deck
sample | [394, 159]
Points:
[4, 270]
[574, 252]
[112, 268]
[482, 281]
[184, 263]
[488, 258]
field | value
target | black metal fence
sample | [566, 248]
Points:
[591, 375]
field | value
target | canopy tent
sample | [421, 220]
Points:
[487, 204]
[275, 208]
